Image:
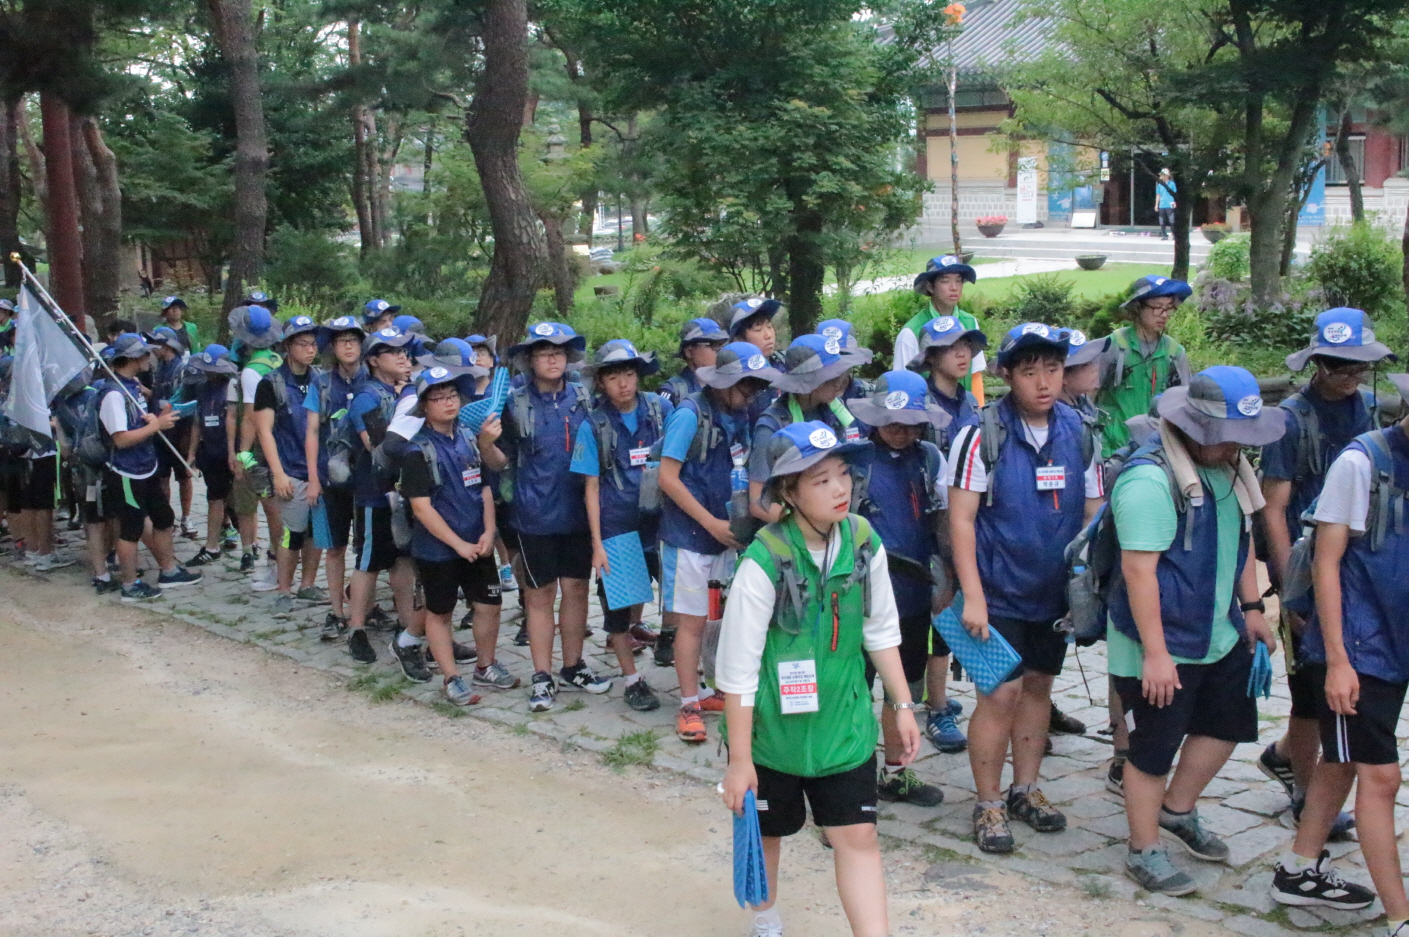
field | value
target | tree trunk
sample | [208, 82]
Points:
[366, 227]
[777, 285]
[10, 189]
[100, 205]
[587, 220]
[65, 248]
[234, 33]
[1404, 249]
[1183, 224]
[1352, 174]
[640, 227]
[492, 127]
[806, 272]
[381, 192]
[559, 263]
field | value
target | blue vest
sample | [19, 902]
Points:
[905, 525]
[1187, 580]
[291, 421]
[548, 497]
[1021, 536]
[338, 394]
[1335, 435]
[210, 416]
[620, 506]
[708, 480]
[369, 487]
[962, 412]
[140, 460]
[461, 506]
[1375, 588]
[680, 386]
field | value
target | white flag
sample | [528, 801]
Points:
[45, 360]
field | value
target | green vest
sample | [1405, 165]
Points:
[1137, 381]
[842, 733]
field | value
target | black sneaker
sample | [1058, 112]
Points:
[640, 697]
[247, 561]
[463, 655]
[580, 677]
[521, 639]
[1115, 777]
[1034, 809]
[334, 627]
[540, 699]
[111, 561]
[139, 591]
[180, 576]
[905, 785]
[1059, 723]
[105, 586]
[1278, 769]
[204, 558]
[1341, 827]
[379, 620]
[412, 660]
[1319, 885]
[360, 647]
[665, 648]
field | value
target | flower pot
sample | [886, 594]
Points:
[990, 230]
[1214, 236]
[1090, 261]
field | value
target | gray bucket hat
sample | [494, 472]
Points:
[810, 362]
[1223, 404]
[736, 361]
[255, 327]
[1343, 333]
[799, 446]
[1401, 384]
[130, 345]
[899, 397]
[552, 333]
[941, 332]
[745, 309]
[1080, 349]
[390, 337]
[841, 330]
[621, 351]
[215, 359]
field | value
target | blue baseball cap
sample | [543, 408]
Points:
[1080, 349]
[1031, 335]
[810, 362]
[799, 446]
[1153, 287]
[170, 301]
[700, 331]
[899, 397]
[374, 309]
[745, 309]
[941, 332]
[621, 351]
[841, 330]
[937, 267]
[1343, 333]
[260, 298]
[736, 361]
[1223, 404]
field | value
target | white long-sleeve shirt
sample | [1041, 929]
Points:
[744, 630]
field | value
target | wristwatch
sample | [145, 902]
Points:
[899, 706]
[1258, 606]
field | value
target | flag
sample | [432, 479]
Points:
[45, 360]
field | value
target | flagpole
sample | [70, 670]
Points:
[87, 346]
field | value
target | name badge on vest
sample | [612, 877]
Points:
[470, 476]
[852, 433]
[212, 421]
[797, 684]
[1051, 477]
[639, 456]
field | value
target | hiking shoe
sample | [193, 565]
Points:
[139, 591]
[1278, 769]
[644, 634]
[203, 558]
[266, 581]
[495, 675]
[1115, 777]
[1341, 828]
[544, 691]
[360, 647]
[312, 594]
[180, 576]
[283, 603]
[334, 627]
[905, 785]
[640, 697]
[521, 639]
[991, 829]
[104, 586]
[1034, 809]
[1059, 723]
[1153, 870]
[412, 660]
[247, 562]
[379, 620]
[1200, 842]
[665, 648]
[51, 561]
[689, 724]
[713, 703]
[944, 732]
[506, 579]
[1320, 885]
[580, 677]
[762, 927]
[458, 693]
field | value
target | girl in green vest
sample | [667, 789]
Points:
[810, 597]
[1141, 361]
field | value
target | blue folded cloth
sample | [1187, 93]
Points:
[750, 872]
[473, 415]
[1260, 679]
[987, 663]
[629, 582]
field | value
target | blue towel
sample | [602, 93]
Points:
[750, 871]
[322, 533]
[1260, 679]
[473, 415]
[988, 663]
[628, 583]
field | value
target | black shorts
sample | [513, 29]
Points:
[37, 490]
[1305, 689]
[1040, 645]
[550, 557]
[1213, 701]
[842, 799]
[167, 462]
[101, 491]
[216, 471]
[341, 513]
[373, 540]
[140, 499]
[1368, 737]
[618, 621]
[442, 580]
[915, 649]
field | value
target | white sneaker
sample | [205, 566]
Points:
[51, 561]
[30, 559]
[266, 581]
[762, 927]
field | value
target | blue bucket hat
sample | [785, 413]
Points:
[899, 397]
[1153, 287]
[1223, 404]
[335, 327]
[736, 361]
[434, 377]
[166, 335]
[1030, 335]
[255, 327]
[621, 351]
[799, 446]
[700, 331]
[1344, 333]
[810, 362]
[1080, 349]
[941, 332]
[841, 330]
[409, 324]
[214, 359]
[554, 333]
[130, 345]
[488, 341]
[388, 339]
[7, 306]
[298, 325]
[170, 301]
[374, 309]
[745, 309]
[937, 267]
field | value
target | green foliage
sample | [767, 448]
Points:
[632, 748]
[1358, 266]
[1230, 314]
[311, 265]
[1228, 259]
[877, 317]
[1045, 298]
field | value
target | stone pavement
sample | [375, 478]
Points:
[1242, 806]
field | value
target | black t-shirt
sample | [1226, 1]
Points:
[264, 391]
[416, 481]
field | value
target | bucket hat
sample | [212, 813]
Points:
[7, 306]
[736, 361]
[1401, 384]
[255, 327]
[299, 325]
[1030, 335]
[745, 309]
[1080, 349]
[621, 351]
[130, 345]
[434, 377]
[214, 359]
[488, 341]
[700, 331]
[937, 267]
[1345, 333]
[170, 301]
[1223, 404]
[335, 327]
[450, 353]
[410, 324]
[841, 330]
[810, 362]
[899, 397]
[387, 339]
[799, 446]
[554, 333]
[166, 335]
[374, 309]
[941, 332]
[1153, 287]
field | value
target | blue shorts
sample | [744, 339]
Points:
[685, 577]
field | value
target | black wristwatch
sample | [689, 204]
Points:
[1258, 606]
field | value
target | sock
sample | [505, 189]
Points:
[1291, 862]
[633, 679]
[1393, 927]
[106, 577]
[407, 639]
[893, 769]
[990, 804]
[1122, 754]
[1021, 788]
[705, 692]
[769, 917]
[689, 701]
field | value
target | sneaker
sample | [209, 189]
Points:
[468, 621]
[540, 699]
[283, 603]
[581, 677]
[644, 634]
[458, 693]
[463, 655]
[379, 620]
[360, 647]
[953, 707]
[104, 586]
[28, 558]
[1059, 723]
[1153, 870]
[640, 697]
[689, 724]
[334, 627]
[227, 539]
[111, 561]
[246, 562]
[943, 730]
[713, 703]
[1034, 809]
[203, 558]
[762, 927]
[312, 594]
[1341, 829]
[180, 576]
[1278, 769]
[495, 675]
[1200, 842]
[991, 829]
[506, 579]
[139, 591]
[1115, 777]
[267, 581]
[665, 648]
[521, 639]
[187, 530]
[412, 660]
[1321, 884]
[905, 785]
[51, 561]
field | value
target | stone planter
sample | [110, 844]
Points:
[1213, 236]
[990, 230]
[1090, 261]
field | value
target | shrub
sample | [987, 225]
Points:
[310, 265]
[1231, 316]
[1228, 259]
[1357, 266]
[1045, 298]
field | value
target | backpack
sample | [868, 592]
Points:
[1121, 340]
[861, 484]
[17, 439]
[790, 588]
[428, 452]
[1305, 426]
[707, 435]
[993, 433]
[94, 446]
[605, 431]
[520, 404]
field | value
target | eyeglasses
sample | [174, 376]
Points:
[442, 398]
[1346, 369]
[549, 353]
[1161, 307]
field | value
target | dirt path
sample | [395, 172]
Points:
[158, 780]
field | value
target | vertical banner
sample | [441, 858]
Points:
[1313, 212]
[1027, 190]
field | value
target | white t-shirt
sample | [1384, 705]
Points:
[113, 414]
[248, 384]
[402, 422]
[749, 612]
[1345, 498]
[965, 468]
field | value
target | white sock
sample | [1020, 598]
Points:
[1291, 862]
[633, 679]
[769, 917]
[407, 639]
[106, 577]
[705, 692]
[893, 769]
[689, 700]
[1021, 788]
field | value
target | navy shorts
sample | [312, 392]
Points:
[1368, 737]
[1040, 645]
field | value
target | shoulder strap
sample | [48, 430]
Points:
[933, 465]
[788, 583]
[993, 432]
[1310, 455]
[432, 460]
[605, 434]
[706, 432]
[863, 551]
[655, 412]
[1385, 498]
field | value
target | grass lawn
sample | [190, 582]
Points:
[1090, 284]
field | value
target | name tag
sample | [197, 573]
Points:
[212, 420]
[737, 452]
[91, 493]
[638, 456]
[797, 684]
[852, 433]
[1051, 477]
[470, 476]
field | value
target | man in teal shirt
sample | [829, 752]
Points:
[1165, 190]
